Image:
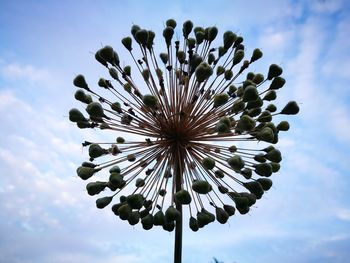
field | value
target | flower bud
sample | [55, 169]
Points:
[229, 39]
[238, 56]
[107, 53]
[124, 212]
[211, 58]
[246, 123]
[199, 37]
[258, 78]
[266, 135]
[139, 182]
[270, 95]
[116, 180]
[230, 210]
[247, 173]
[134, 29]
[221, 215]
[255, 188]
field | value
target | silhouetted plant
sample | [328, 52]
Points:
[189, 117]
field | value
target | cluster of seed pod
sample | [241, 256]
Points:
[193, 110]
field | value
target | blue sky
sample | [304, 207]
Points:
[45, 213]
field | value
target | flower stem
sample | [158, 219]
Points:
[178, 225]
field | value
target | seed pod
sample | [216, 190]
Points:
[257, 54]
[221, 215]
[270, 95]
[120, 140]
[115, 169]
[277, 83]
[265, 116]
[237, 106]
[100, 59]
[171, 23]
[181, 56]
[291, 108]
[95, 150]
[229, 209]
[141, 36]
[199, 37]
[148, 204]
[265, 183]
[107, 54]
[131, 157]
[115, 208]
[258, 78]
[219, 174]
[187, 28]
[232, 148]
[247, 173]
[275, 167]
[116, 180]
[229, 38]
[150, 101]
[84, 125]
[134, 29]
[266, 135]
[183, 197]
[283, 126]
[103, 201]
[255, 188]
[271, 108]
[95, 188]
[242, 204]
[134, 218]
[103, 83]
[86, 172]
[127, 42]
[246, 123]
[254, 104]
[274, 71]
[237, 58]
[254, 112]
[211, 216]
[263, 169]
[220, 70]
[116, 107]
[81, 96]
[211, 58]
[251, 197]
[222, 189]
[135, 201]
[124, 212]
[274, 156]
[139, 182]
[228, 74]
[95, 110]
[159, 218]
[169, 226]
[236, 162]
[250, 94]
[220, 99]
[221, 51]
[146, 74]
[79, 81]
[75, 115]
[193, 223]
[201, 187]
[172, 214]
[260, 158]
[212, 33]
[168, 33]
[203, 72]
[208, 163]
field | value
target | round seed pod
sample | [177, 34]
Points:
[266, 135]
[255, 188]
[228, 74]
[212, 33]
[211, 58]
[257, 54]
[201, 187]
[141, 36]
[116, 107]
[162, 192]
[124, 211]
[220, 70]
[251, 198]
[270, 95]
[283, 126]
[242, 204]
[221, 51]
[222, 189]
[171, 23]
[159, 218]
[107, 54]
[168, 33]
[202, 219]
[103, 201]
[265, 116]
[181, 56]
[222, 128]
[95, 188]
[134, 218]
[120, 140]
[250, 76]
[193, 224]
[127, 70]
[221, 215]
[254, 112]
[85, 172]
[220, 99]
[258, 78]
[277, 83]
[81, 96]
[237, 106]
[100, 59]
[229, 39]
[263, 169]
[260, 158]
[291, 108]
[127, 87]
[211, 216]
[169, 226]
[236, 162]
[144, 212]
[134, 29]
[164, 57]
[135, 201]
[116, 180]
[237, 58]
[148, 204]
[274, 71]
[208, 163]
[95, 150]
[75, 115]
[232, 148]
[139, 182]
[229, 209]
[219, 174]
[274, 156]
[103, 83]
[195, 62]
[146, 74]
[172, 214]
[271, 108]
[95, 110]
[114, 169]
[79, 81]
[84, 125]
[150, 39]
[115, 208]
[88, 164]
[122, 199]
[150, 101]
[203, 72]
[255, 104]
[127, 42]
[199, 37]
[187, 28]
[246, 123]
[275, 167]
[247, 173]
[131, 157]
[183, 197]
[265, 183]
[250, 94]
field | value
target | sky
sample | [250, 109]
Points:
[45, 212]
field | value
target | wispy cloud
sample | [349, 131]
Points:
[17, 71]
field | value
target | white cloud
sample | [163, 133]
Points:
[29, 72]
[343, 214]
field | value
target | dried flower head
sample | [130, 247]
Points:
[189, 116]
